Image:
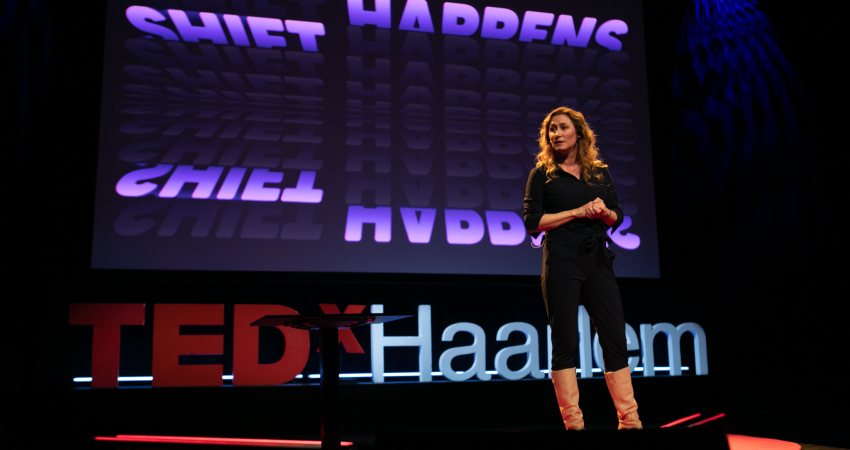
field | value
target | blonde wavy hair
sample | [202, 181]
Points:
[587, 155]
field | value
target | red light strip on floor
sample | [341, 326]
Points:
[678, 421]
[279, 443]
[704, 421]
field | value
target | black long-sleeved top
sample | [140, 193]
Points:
[562, 192]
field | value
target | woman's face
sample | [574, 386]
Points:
[562, 133]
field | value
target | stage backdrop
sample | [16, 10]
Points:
[357, 136]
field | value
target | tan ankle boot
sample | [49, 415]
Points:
[566, 390]
[620, 386]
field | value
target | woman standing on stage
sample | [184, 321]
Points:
[570, 195]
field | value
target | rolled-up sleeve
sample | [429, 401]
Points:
[532, 209]
[613, 202]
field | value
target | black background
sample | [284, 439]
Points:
[751, 246]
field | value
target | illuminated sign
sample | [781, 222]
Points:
[171, 344]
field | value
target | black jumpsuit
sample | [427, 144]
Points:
[577, 266]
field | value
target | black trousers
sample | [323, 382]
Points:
[578, 270]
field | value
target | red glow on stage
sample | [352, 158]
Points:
[250, 442]
[682, 420]
[739, 442]
[710, 419]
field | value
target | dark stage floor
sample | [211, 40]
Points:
[509, 415]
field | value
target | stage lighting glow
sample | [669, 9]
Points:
[356, 375]
[203, 440]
